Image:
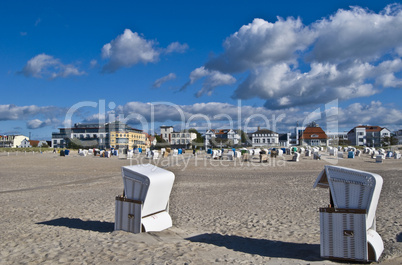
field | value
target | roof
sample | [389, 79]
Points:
[368, 128]
[33, 142]
[314, 133]
[264, 131]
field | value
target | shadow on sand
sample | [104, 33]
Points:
[262, 247]
[96, 226]
[399, 237]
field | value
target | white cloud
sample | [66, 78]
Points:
[13, 112]
[128, 49]
[43, 65]
[219, 115]
[164, 79]
[374, 113]
[357, 34]
[36, 123]
[93, 63]
[212, 79]
[176, 47]
[262, 43]
[351, 54]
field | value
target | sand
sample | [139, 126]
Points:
[60, 210]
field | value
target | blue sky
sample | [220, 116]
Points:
[214, 64]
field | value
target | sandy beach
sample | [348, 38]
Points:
[60, 210]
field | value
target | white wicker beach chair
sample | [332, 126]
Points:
[296, 157]
[144, 206]
[348, 226]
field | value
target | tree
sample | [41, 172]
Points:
[389, 140]
[199, 138]
[199, 141]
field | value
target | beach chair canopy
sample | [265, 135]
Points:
[150, 184]
[352, 189]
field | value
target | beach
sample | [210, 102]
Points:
[60, 210]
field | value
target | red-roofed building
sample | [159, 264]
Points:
[314, 136]
[367, 135]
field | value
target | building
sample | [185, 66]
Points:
[295, 136]
[166, 132]
[264, 137]
[337, 138]
[182, 139]
[285, 139]
[398, 135]
[365, 135]
[150, 140]
[127, 138]
[12, 141]
[99, 136]
[221, 136]
[25, 143]
[314, 136]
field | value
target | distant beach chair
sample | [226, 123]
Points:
[379, 158]
[144, 206]
[155, 154]
[296, 157]
[230, 155]
[348, 224]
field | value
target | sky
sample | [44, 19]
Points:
[210, 64]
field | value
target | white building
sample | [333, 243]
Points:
[367, 135]
[181, 139]
[337, 138]
[90, 134]
[166, 132]
[214, 137]
[398, 135]
[285, 139]
[25, 143]
[264, 137]
[12, 141]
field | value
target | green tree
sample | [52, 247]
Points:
[389, 140]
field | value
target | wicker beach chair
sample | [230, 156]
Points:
[144, 206]
[348, 226]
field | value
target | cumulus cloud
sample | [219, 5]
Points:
[130, 48]
[176, 47]
[351, 54]
[212, 79]
[357, 34]
[13, 112]
[219, 115]
[36, 123]
[262, 43]
[164, 79]
[374, 113]
[43, 65]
